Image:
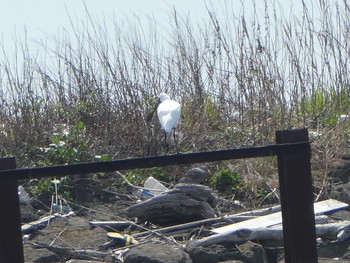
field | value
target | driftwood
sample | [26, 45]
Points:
[231, 218]
[184, 203]
[186, 226]
[175, 228]
[261, 211]
[194, 224]
[334, 231]
[26, 228]
[112, 224]
[276, 218]
[74, 253]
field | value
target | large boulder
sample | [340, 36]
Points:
[184, 203]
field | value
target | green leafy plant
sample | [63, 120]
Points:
[68, 145]
[46, 188]
[324, 107]
[135, 176]
[226, 181]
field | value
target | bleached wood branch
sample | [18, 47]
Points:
[334, 231]
[26, 228]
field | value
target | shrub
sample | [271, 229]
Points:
[226, 181]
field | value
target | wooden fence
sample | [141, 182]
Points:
[292, 149]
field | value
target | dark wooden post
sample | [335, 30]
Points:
[294, 169]
[11, 246]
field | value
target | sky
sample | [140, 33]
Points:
[39, 20]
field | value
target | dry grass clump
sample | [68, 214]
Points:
[238, 81]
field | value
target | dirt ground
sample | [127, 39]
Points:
[96, 204]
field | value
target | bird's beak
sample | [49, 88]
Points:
[150, 115]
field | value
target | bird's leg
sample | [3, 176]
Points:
[166, 144]
[175, 142]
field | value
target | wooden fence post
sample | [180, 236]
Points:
[296, 191]
[11, 246]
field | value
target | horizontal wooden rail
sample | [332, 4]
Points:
[154, 161]
[293, 157]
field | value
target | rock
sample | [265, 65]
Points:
[28, 213]
[39, 255]
[82, 261]
[346, 156]
[341, 193]
[156, 253]
[330, 260]
[335, 250]
[195, 175]
[332, 252]
[248, 252]
[274, 253]
[24, 198]
[341, 172]
[184, 203]
[325, 260]
[204, 255]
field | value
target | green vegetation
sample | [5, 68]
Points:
[238, 82]
[226, 181]
[68, 145]
[138, 176]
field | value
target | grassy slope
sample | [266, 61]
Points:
[237, 82]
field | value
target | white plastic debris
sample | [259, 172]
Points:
[343, 118]
[154, 186]
[24, 198]
[145, 193]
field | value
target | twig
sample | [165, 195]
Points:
[58, 237]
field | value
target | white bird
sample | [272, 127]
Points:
[168, 111]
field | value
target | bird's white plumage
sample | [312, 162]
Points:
[168, 112]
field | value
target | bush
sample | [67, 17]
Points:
[226, 181]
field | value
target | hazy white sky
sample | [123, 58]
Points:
[42, 19]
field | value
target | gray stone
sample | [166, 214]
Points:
[341, 172]
[195, 175]
[184, 203]
[204, 255]
[156, 253]
[341, 193]
[82, 261]
[334, 250]
[248, 252]
[251, 252]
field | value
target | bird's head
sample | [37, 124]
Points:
[158, 100]
[163, 96]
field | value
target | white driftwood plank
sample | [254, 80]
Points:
[335, 231]
[276, 218]
[35, 224]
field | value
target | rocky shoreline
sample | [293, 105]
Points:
[73, 238]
